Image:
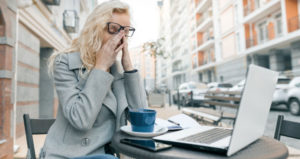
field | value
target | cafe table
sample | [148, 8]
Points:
[263, 148]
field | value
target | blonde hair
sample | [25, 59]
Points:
[90, 38]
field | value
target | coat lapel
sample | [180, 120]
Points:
[118, 89]
[110, 100]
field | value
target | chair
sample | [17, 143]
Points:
[286, 128]
[35, 127]
[41, 126]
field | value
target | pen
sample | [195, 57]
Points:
[174, 122]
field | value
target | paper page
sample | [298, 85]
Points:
[185, 121]
[163, 123]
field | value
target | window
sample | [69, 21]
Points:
[209, 74]
[263, 32]
[278, 25]
[200, 77]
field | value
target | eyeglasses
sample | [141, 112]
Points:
[114, 28]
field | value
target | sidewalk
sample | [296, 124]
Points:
[21, 141]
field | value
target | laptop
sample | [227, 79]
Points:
[249, 124]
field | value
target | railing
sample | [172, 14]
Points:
[208, 58]
[207, 14]
[200, 20]
[200, 42]
[293, 24]
[204, 40]
[197, 2]
[250, 42]
[252, 6]
[270, 34]
[176, 69]
[249, 9]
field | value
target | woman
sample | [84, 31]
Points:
[93, 94]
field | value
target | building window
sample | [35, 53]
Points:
[263, 32]
[278, 24]
[200, 77]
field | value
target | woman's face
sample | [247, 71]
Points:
[120, 18]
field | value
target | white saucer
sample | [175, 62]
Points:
[158, 130]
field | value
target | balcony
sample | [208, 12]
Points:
[202, 5]
[205, 60]
[205, 43]
[250, 42]
[204, 25]
[270, 34]
[271, 40]
[176, 70]
[253, 12]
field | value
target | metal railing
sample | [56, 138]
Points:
[270, 34]
[253, 5]
[207, 14]
[204, 40]
[249, 9]
[250, 42]
[200, 42]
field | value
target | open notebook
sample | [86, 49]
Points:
[182, 120]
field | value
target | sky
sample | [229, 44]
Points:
[145, 19]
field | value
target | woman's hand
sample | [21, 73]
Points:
[126, 61]
[106, 56]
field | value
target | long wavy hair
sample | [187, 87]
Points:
[90, 38]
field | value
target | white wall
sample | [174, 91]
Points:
[227, 20]
[228, 46]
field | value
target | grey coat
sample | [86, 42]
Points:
[92, 106]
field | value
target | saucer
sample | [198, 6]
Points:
[158, 130]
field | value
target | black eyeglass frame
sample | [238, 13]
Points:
[121, 28]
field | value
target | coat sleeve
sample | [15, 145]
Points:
[135, 92]
[80, 107]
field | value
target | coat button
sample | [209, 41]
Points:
[85, 141]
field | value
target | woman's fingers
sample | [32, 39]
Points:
[116, 39]
[119, 48]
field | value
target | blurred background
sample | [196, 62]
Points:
[184, 49]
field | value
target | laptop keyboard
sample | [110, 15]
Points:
[209, 136]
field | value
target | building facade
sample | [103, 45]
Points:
[145, 63]
[226, 36]
[30, 31]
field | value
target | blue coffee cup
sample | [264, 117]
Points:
[142, 120]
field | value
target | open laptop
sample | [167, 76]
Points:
[249, 124]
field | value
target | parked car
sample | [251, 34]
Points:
[219, 87]
[293, 96]
[281, 91]
[238, 87]
[280, 94]
[188, 90]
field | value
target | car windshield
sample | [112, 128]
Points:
[197, 86]
[193, 86]
[283, 81]
[225, 85]
[295, 81]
